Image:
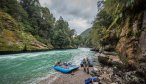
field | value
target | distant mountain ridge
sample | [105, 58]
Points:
[85, 33]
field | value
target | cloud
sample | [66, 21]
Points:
[78, 13]
[79, 24]
[45, 3]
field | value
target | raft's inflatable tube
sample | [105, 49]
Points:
[67, 69]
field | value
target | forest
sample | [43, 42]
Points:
[25, 25]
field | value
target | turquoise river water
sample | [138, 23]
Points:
[26, 68]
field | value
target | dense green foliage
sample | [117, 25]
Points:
[13, 8]
[39, 21]
[63, 36]
[13, 38]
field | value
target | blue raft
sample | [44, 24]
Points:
[68, 69]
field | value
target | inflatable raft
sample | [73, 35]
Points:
[66, 69]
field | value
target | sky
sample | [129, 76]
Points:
[79, 13]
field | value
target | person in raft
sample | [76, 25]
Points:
[58, 63]
[86, 65]
[65, 65]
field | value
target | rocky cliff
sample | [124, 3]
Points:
[131, 46]
[126, 34]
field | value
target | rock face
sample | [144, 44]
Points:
[13, 38]
[128, 46]
[144, 20]
[142, 40]
[131, 49]
[110, 60]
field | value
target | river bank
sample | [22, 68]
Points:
[114, 71]
[32, 51]
[77, 77]
[110, 71]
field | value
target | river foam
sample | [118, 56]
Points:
[31, 67]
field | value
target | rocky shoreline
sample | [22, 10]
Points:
[110, 71]
[113, 71]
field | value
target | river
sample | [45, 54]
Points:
[27, 68]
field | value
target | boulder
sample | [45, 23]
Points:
[109, 53]
[110, 60]
[103, 59]
[94, 49]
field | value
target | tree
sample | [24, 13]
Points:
[63, 35]
[14, 8]
[39, 22]
[40, 19]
